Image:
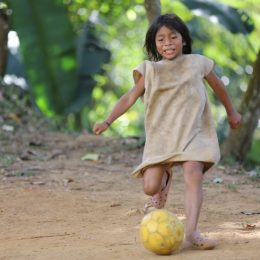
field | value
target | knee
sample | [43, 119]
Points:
[152, 180]
[193, 178]
[193, 173]
[150, 188]
[151, 184]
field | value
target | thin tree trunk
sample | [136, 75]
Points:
[153, 9]
[239, 141]
[4, 28]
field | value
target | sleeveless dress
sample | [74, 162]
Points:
[178, 121]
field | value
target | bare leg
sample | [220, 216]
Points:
[157, 182]
[152, 179]
[193, 176]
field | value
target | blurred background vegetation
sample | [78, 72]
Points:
[72, 59]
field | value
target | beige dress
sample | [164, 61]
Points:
[178, 121]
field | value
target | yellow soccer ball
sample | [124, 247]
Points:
[161, 232]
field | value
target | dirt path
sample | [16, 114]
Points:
[53, 205]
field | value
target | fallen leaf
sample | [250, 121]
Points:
[248, 227]
[90, 157]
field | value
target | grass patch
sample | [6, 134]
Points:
[232, 187]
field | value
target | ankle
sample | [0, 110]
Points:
[193, 235]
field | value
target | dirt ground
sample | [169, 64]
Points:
[55, 205]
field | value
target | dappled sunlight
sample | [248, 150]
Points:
[13, 42]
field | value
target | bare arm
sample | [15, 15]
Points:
[122, 106]
[234, 118]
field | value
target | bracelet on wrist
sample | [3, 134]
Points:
[108, 124]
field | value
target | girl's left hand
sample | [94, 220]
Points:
[234, 120]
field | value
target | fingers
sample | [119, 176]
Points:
[235, 124]
[235, 120]
[97, 132]
[99, 128]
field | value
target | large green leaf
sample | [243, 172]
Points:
[90, 57]
[48, 51]
[233, 19]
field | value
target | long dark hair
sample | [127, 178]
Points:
[173, 22]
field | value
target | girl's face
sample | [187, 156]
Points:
[169, 43]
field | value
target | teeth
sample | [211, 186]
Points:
[169, 51]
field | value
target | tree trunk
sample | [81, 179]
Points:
[153, 9]
[4, 28]
[239, 141]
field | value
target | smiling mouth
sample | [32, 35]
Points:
[169, 51]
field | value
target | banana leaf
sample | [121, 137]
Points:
[235, 20]
[90, 57]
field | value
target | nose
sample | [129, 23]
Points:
[168, 41]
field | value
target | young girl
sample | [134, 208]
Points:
[178, 123]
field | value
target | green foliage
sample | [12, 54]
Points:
[123, 35]
[61, 80]
[47, 45]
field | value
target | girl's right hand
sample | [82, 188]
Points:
[99, 128]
